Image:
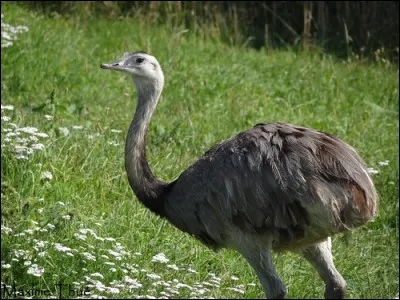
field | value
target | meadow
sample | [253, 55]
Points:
[68, 214]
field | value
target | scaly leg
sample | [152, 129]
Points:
[260, 259]
[320, 256]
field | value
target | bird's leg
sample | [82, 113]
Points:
[320, 256]
[261, 261]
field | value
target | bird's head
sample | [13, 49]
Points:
[140, 65]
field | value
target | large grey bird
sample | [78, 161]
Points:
[275, 186]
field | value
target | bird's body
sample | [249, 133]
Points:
[295, 184]
[275, 186]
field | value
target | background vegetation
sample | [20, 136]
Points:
[345, 28]
[68, 214]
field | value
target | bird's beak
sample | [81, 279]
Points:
[118, 65]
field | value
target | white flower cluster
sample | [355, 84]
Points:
[9, 33]
[23, 141]
[381, 164]
[160, 257]
[35, 270]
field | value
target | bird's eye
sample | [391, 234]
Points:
[139, 60]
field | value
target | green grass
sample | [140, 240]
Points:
[212, 91]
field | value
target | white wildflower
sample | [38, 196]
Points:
[40, 210]
[32, 138]
[10, 134]
[153, 276]
[116, 254]
[160, 257]
[191, 270]
[7, 107]
[372, 171]
[384, 163]
[42, 134]
[183, 285]
[21, 149]
[6, 266]
[48, 117]
[157, 283]
[21, 140]
[209, 284]
[66, 217]
[234, 278]
[99, 286]
[21, 157]
[61, 248]
[20, 252]
[113, 269]
[133, 283]
[46, 175]
[5, 118]
[236, 290]
[35, 270]
[51, 226]
[202, 291]
[86, 230]
[20, 234]
[127, 279]
[80, 236]
[29, 130]
[5, 229]
[94, 296]
[116, 130]
[37, 146]
[77, 127]
[173, 267]
[41, 244]
[89, 256]
[64, 130]
[27, 263]
[110, 239]
[97, 275]
[60, 203]
[112, 290]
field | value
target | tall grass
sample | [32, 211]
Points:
[68, 214]
[343, 28]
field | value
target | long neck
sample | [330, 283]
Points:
[148, 189]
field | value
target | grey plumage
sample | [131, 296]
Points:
[294, 183]
[275, 186]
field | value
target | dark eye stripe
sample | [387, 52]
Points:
[139, 60]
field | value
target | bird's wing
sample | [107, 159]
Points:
[262, 179]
